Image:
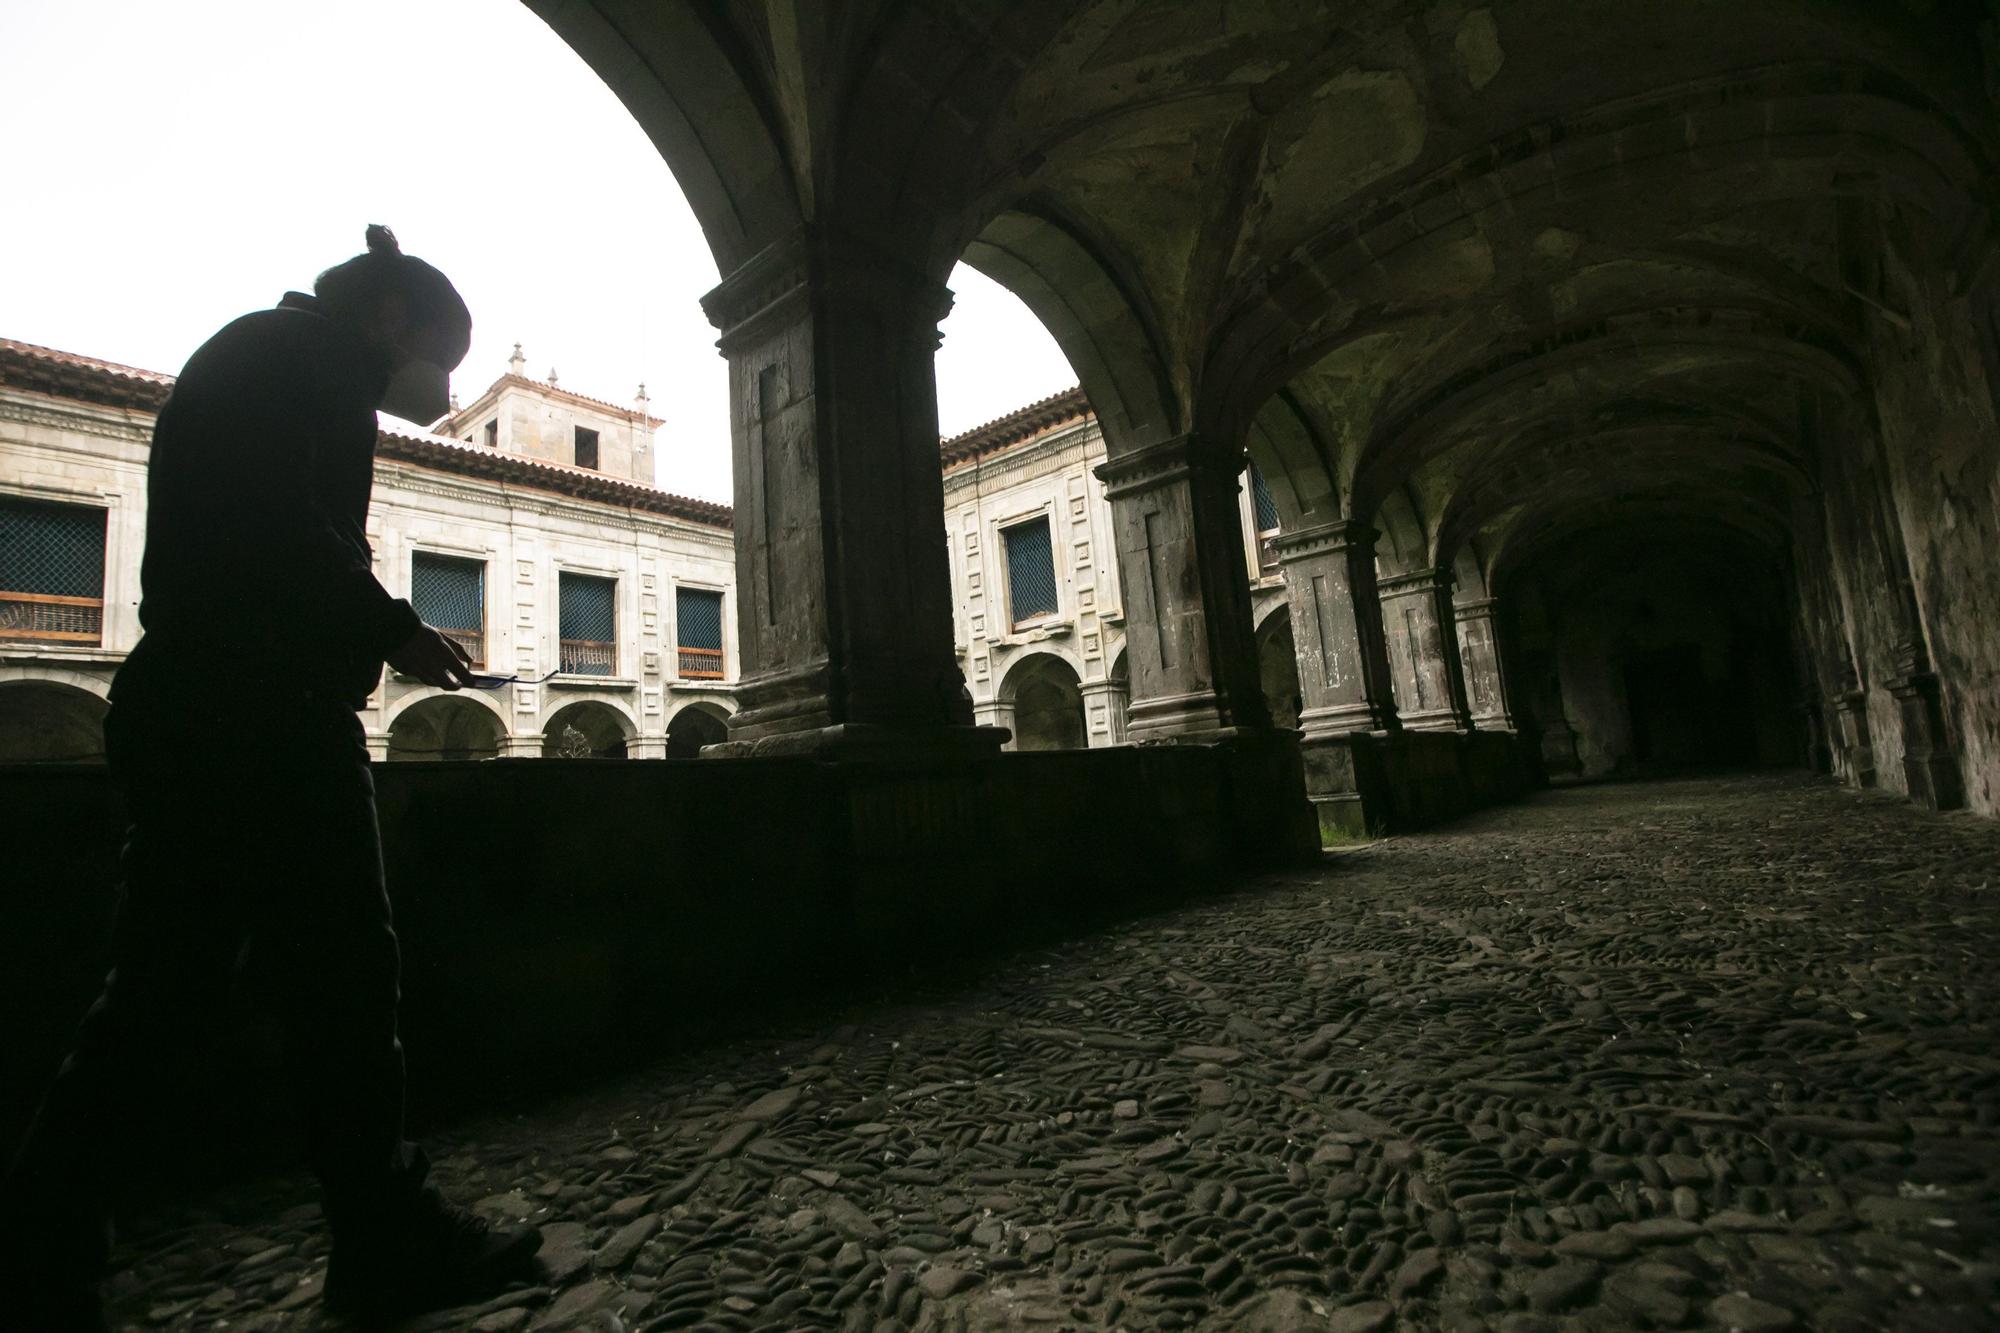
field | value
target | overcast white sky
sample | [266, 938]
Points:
[173, 165]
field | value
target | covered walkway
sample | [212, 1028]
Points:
[1712, 1053]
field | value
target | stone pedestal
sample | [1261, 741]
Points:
[1850, 706]
[1337, 629]
[1188, 639]
[1423, 653]
[1929, 764]
[1479, 654]
[843, 598]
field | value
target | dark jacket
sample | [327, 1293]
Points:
[257, 569]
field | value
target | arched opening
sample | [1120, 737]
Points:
[444, 727]
[693, 727]
[1278, 668]
[1667, 650]
[585, 730]
[1120, 700]
[44, 722]
[1048, 704]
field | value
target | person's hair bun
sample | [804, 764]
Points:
[381, 240]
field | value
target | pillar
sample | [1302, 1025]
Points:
[1430, 683]
[1929, 764]
[996, 713]
[1179, 537]
[1104, 700]
[1479, 653]
[842, 593]
[1337, 629]
[1850, 706]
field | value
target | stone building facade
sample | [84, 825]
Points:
[1038, 616]
[526, 527]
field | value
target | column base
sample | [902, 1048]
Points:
[1177, 717]
[1929, 766]
[1435, 719]
[1349, 719]
[867, 742]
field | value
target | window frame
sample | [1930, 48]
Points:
[721, 595]
[577, 434]
[482, 561]
[58, 604]
[616, 580]
[1045, 515]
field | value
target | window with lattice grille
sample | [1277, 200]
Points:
[450, 596]
[51, 572]
[589, 624]
[1031, 572]
[698, 623]
[1265, 512]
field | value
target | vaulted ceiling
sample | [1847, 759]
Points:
[1478, 273]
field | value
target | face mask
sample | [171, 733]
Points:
[419, 391]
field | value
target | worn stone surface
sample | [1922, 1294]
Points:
[1467, 1075]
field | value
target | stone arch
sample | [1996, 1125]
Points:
[691, 85]
[1106, 331]
[1290, 448]
[1047, 697]
[587, 729]
[695, 725]
[446, 725]
[1278, 666]
[45, 721]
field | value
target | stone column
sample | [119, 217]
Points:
[1430, 683]
[996, 713]
[378, 746]
[1188, 638]
[1109, 696]
[1479, 651]
[842, 595]
[521, 746]
[1850, 705]
[1929, 764]
[1337, 629]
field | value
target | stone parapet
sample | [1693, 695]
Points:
[1363, 785]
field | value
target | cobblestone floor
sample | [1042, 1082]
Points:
[1711, 1053]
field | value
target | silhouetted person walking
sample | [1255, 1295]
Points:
[253, 840]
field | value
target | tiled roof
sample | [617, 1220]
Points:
[554, 390]
[87, 379]
[46, 370]
[1024, 423]
[449, 455]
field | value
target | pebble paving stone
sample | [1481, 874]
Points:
[1710, 1053]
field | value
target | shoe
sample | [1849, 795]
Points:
[436, 1255]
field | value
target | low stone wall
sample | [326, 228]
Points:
[1372, 783]
[559, 915]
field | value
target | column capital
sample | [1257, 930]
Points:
[1339, 535]
[775, 284]
[1178, 458]
[1415, 581]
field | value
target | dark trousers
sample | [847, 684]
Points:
[250, 858]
